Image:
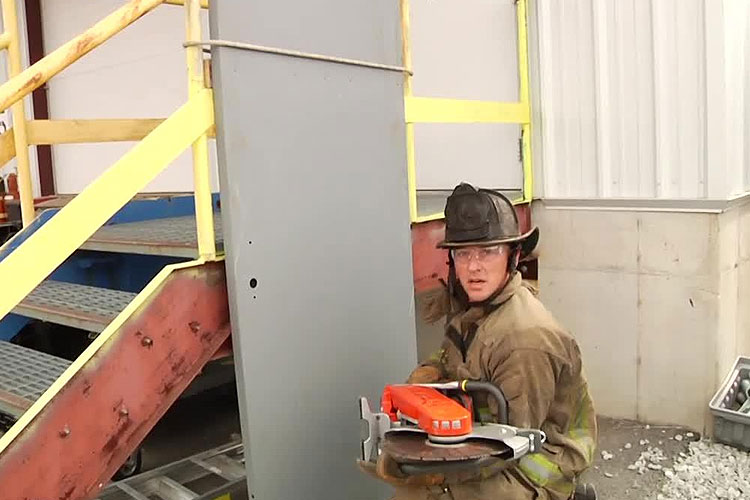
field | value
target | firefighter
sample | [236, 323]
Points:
[497, 331]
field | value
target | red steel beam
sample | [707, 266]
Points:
[82, 436]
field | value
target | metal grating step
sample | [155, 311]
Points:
[24, 376]
[173, 237]
[80, 306]
[211, 475]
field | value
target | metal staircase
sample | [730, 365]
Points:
[173, 236]
[146, 288]
[25, 373]
[146, 348]
[89, 308]
[24, 376]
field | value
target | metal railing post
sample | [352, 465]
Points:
[525, 98]
[204, 216]
[411, 169]
[10, 19]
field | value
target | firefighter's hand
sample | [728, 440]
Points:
[386, 469]
[424, 375]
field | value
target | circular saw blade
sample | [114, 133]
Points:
[416, 448]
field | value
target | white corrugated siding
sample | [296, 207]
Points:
[642, 99]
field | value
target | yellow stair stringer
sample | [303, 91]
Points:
[50, 245]
[147, 293]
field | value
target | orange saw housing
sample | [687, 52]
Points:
[431, 410]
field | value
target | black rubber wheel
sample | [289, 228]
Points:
[131, 467]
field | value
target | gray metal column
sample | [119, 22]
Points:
[312, 162]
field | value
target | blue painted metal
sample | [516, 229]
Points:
[24, 234]
[127, 272]
[11, 325]
[163, 207]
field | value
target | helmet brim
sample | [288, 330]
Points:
[528, 241]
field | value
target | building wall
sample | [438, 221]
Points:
[466, 50]
[641, 99]
[657, 300]
[457, 53]
[140, 73]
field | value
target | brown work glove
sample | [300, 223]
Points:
[424, 375]
[386, 469]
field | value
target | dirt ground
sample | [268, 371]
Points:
[625, 484]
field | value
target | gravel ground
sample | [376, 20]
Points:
[638, 461]
[708, 471]
[631, 458]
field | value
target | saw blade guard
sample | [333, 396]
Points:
[405, 428]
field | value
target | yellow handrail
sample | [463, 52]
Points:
[39, 73]
[524, 94]
[204, 3]
[204, 217]
[411, 169]
[7, 147]
[438, 110]
[19, 115]
[22, 83]
[49, 246]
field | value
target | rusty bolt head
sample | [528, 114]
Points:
[65, 432]
[147, 342]
[124, 412]
[195, 326]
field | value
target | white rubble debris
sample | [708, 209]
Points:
[644, 442]
[678, 437]
[648, 460]
[709, 471]
[607, 455]
[628, 446]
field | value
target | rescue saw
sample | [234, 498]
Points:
[433, 427]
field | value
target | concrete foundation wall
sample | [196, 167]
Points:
[658, 302]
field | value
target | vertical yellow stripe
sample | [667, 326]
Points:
[411, 168]
[524, 93]
[19, 116]
[204, 217]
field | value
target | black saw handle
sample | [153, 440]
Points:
[502, 403]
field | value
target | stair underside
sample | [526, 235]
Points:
[172, 237]
[25, 375]
[86, 307]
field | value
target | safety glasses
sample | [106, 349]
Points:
[482, 254]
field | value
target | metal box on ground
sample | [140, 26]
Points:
[731, 426]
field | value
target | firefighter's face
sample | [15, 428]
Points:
[481, 270]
